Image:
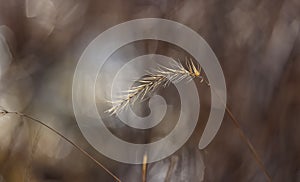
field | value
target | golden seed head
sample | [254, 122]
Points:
[157, 79]
[197, 73]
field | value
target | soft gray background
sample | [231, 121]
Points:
[256, 42]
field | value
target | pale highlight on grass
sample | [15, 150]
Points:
[144, 168]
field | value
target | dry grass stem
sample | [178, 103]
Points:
[249, 144]
[3, 112]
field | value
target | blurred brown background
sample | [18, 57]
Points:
[256, 42]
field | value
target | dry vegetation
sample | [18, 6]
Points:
[256, 42]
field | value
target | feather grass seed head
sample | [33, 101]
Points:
[158, 78]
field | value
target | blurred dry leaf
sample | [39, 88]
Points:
[43, 14]
[5, 53]
[14, 134]
[52, 146]
[16, 95]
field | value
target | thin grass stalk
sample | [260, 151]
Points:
[65, 138]
[250, 146]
